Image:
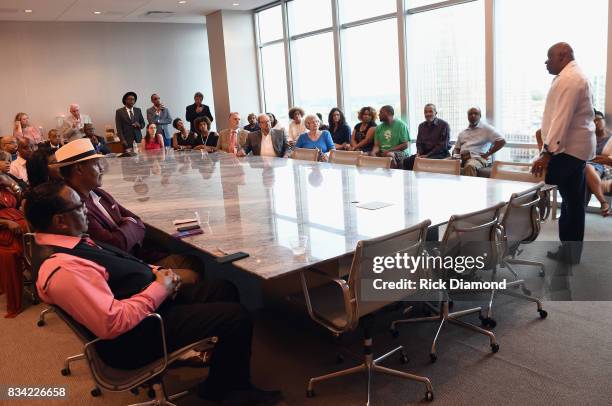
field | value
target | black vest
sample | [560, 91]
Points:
[127, 275]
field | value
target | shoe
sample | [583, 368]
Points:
[251, 396]
[563, 256]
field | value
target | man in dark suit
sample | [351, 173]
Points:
[267, 141]
[129, 121]
[196, 110]
[159, 115]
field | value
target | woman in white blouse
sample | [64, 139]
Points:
[296, 125]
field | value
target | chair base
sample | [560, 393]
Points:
[371, 365]
[160, 397]
[444, 316]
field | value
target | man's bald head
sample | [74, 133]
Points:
[8, 143]
[559, 55]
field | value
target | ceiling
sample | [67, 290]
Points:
[119, 10]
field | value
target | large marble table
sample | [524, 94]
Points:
[260, 205]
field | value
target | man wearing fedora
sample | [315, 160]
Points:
[129, 121]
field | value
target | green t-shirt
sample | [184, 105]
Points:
[389, 136]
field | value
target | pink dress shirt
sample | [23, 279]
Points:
[31, 133]
[80, 288]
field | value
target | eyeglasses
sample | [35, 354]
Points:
[74, 208]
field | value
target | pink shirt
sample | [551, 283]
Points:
[30, 133]
[80, 288]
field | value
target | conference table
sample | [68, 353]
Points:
[262, 205]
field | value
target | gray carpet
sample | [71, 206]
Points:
[565, 359]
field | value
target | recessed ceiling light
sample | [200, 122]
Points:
[97, 13]
[235, 4]
[28, 11]
[182, 2]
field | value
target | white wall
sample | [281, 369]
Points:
[47, 65]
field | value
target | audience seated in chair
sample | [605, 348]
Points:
[253, 125]
[111, 293]
[362, 138]
[391, 137]
[54, 140]
[339, 130]
[477, 143]
[203, 137]
[182, 139]
[23, 129]
[8, 143]
[433, 138]
[98, 142]
[266, 141]
[18, 166]
[315, 138]
[40, 167]
[297, 126]
[73, 126]
[232, 139]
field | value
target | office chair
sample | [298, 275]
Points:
[375, 162]
[473, 234]
[122, 380]
[446, 166]
[344, 157]
[338, 305]
[305, 154]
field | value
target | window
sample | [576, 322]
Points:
[270, 23]
[355, 10]
[314, 78]
[421, 3]
[522, 80]
[446, 63]
[371, 67]
[274, 80]
[309, 15]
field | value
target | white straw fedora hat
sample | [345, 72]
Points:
[76, 151]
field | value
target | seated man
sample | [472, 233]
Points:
[98, 142]
[18, 166]
[266, 141]
[477, 143]
[72, 128]
[233, 138]
[54, 141]
[8, 143]
[391, 137]
[110, 292]
[109, 222]
[432, 139]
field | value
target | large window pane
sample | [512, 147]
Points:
[420, 3]
[270, 24]
[355, 10]
[446, 63]
[371, 67]
[274, 80]
[314, 78]
[522, 80]
[309, 15]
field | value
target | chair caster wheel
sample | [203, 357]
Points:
[151, 393]
[310, 393]
[429, 396]
[494, 348]
[339, 359]
[65, 371]
[40, 323]
[95, 392]
[487, 322]
[394, 333]
[543, 314]
[403, 358]
[433, 357]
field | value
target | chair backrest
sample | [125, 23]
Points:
[409, 241]
[375, 162]
[447, 166]
[515, 171]
[344, 157]
[474, 234]
[521, 219]
[305, 154]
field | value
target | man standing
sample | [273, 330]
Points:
[233, 138]
[568, 132]
[196, 110]
[477, 143]
[266, 141]
[18, 166]
[129, 121]
[391, 137]
[72, 128]
[159, 115]
[432, 139]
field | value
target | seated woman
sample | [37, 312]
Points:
[204, 138]
[39, 169]
[315, 138]
[152, 141]
[23, 129]
[296, 125]
[276, 125]
[12, 226]
[181, 139]
[362, 138]
[340, 131]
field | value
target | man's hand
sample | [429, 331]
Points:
[136, 125]
[240, 153]
[485, 156]
[199, 108]
[540, 165]
[168, 279]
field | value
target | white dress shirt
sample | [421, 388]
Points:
[71, 133]
[477, 140]
[567, 124]
[295, 130]
[266, 145]
[18, 169]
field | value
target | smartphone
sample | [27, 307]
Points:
[232, 257]
[188, 227]
[188, 233]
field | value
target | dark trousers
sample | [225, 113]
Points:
[567, 172]
[205, 309]
[409, 162]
